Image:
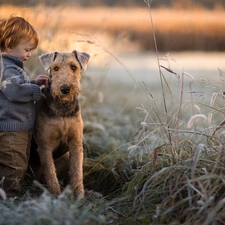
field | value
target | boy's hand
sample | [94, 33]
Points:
[41, 80]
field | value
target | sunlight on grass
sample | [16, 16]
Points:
[176, 29]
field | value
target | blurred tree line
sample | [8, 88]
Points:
[124, 3]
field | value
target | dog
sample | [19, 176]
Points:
[58, 127]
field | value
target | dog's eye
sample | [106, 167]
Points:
[73, 68]
[56, 68]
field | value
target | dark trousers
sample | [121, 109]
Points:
[14, 157]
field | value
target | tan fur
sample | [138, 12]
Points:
[59, 125]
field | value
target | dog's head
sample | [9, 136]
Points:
[65, 72]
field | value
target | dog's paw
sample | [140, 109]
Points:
[79, 193]
[56, 191]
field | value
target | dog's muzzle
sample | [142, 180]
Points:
[65, 89]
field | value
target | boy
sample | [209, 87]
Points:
[17, 101]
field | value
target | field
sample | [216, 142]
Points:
[155, 152]
[175, 29]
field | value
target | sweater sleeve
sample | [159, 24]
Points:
[36, 92]
[17, 89]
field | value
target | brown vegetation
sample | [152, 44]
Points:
[175, 29]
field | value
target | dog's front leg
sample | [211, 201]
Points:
[76, 169]
[49, 171]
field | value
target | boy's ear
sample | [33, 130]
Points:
[82, 58]
[8, 48]
[47, 59]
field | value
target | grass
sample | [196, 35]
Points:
[46, 210]
[162, 164]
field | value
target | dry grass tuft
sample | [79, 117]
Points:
[194, 119]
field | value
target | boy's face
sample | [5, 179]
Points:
[22, 50]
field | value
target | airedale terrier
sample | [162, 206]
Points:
[59, 126]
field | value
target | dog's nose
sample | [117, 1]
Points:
[65, 89]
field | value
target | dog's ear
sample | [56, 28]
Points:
[47, 59]
[82, 58]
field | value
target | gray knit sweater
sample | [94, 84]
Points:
[17, 96]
